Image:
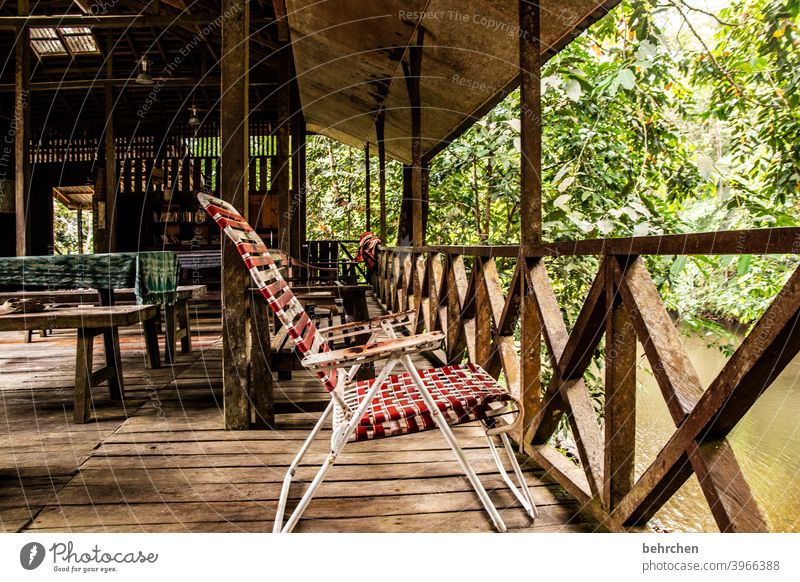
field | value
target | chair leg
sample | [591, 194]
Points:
[312, 489]
[522, 493]
[342, 434]
[441, 422]
[287, 480]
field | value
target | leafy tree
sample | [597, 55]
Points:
[65, 226]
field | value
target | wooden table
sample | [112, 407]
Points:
[91, 321]
[178, 322]
[152, 275]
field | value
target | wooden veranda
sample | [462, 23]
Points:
[166, 463]
[143, 103]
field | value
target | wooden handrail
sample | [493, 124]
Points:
[767, 241]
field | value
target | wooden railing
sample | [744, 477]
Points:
[336, 254]
[458, 290]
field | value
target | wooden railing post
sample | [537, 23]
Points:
[620, 397]
[482, 339]
[457, 285]
[420, 292]
[530, 348]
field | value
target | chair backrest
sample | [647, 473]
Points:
[273, 287]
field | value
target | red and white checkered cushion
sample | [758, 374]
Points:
[463, 393]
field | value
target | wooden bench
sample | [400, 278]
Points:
[178, 322]
[92, 321]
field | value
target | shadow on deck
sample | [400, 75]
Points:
[164, 463]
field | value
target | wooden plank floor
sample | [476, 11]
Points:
[164, 463]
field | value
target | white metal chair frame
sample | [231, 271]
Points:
[396, 350]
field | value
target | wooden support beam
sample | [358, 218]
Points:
[413, 71]
[379, 128]
[456, 289]
[367, 187]
[763, 241]
[281, 161]
[298, 189]
[530, 199]
[530, 65]
[80, 229]
[587, 331]
[733, 242]
[110, 150]
[22, 136]
[116, 21]
[234, 189]
[482, 338]
[404, 227]
[281, 21]
[620, 395]
[301, 156]
[562, 395]
[125, 84]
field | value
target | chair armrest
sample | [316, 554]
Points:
[374, 351]
[373, 323]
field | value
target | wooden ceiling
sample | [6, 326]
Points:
[348, 60]
[348, 56]
[67, 90]
[74, 197]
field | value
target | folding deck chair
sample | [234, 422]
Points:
[391, 404]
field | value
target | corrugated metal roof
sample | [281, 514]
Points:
[348, 62]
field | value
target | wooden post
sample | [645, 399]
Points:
[530, 201]
[22, 137]
[111, 182]
[530, 123]
[405, 227]
[234, 156]
[299, 223]
[280, 170]
[366, 180]
[382, 172]
[260, 361]
[80, 229]
[297, 199]
[413, 70]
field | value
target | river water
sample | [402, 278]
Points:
[766, 443]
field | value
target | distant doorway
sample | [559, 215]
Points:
[72, 220]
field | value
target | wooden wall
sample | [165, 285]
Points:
[158, 177]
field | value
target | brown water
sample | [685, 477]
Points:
[766, 443]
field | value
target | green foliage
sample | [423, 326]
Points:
[336, 191]
[65, 226]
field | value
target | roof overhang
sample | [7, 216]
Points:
[348, 61]
[74, 197]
